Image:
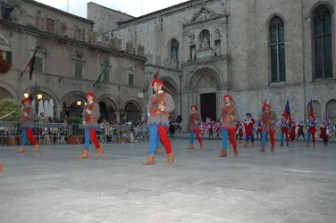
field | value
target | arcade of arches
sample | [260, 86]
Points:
[72, 104]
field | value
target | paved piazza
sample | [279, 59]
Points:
[293, 184]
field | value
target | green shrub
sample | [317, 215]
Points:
[74, 120]
[8, 105]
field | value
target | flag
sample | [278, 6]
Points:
[156, 75]
[31, 65]
[310, 108]
[100, 77]
[287, 113]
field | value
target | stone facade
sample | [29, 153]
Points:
[224, 48]
[68, 63]
[202, 49]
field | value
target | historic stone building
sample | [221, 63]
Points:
[203, 49]
[68, 62]
[254, 50]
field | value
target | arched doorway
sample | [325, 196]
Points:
[132, 112]
[103, 111]
[73, 104]
[204, 84]
[208, 106]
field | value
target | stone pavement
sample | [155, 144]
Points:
[293, 184]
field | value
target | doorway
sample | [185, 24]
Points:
[208, 106]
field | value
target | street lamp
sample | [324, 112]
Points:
[31, 91]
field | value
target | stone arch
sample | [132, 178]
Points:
[108, 107]
[35, 90]
[331, 110]
[137, 102]
[170, 86]
[7, 91]
[272, 16]
[132, 109]
[204, 77]
[68, 103]
[317, 4]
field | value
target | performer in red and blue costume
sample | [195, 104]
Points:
[284, 126]
[159, 105]
[194, 127]
[27, 125]
[229, 119]
[311, 129]
[249, 126]
[91, 114]
[268, 120]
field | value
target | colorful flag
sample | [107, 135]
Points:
[100, 77]
[310, 108]
[287, 113]
[31, 65]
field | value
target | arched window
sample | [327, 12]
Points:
[277, 47]
[174, 53]
[322, 42]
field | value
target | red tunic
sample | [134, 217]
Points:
[248, 125]
[323, 133]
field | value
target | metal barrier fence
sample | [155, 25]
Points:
[63, 133]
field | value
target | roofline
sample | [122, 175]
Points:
[168, 10]
[60, 11]
[123, 13]
[64, 40]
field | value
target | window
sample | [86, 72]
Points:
[78, 70]
[174, 53]
[9, 57]
[322, 42]
[130, 76]
[130, 79]
[50, 25]
[38, 65]
[6, 55]
[277, 48]
[106, 75]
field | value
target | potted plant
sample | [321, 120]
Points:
[10, 111]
